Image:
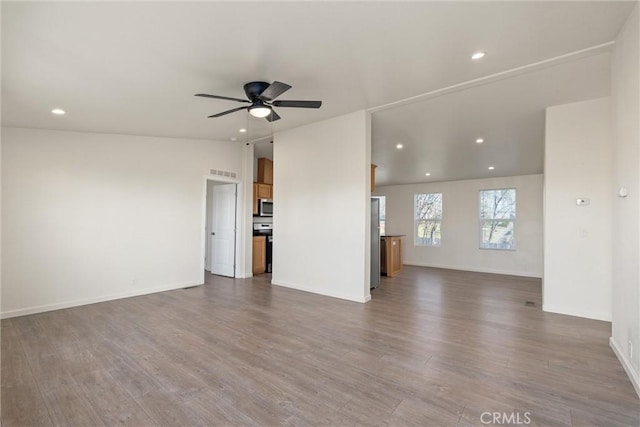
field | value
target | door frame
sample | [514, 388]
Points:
[240, 226]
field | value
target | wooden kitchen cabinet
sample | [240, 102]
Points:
[264, 191]
[261, 191]
[265, 170]
[259, 254]
[391, 255]
[373, 177]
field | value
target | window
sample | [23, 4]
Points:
[498, 219]
[428, 215]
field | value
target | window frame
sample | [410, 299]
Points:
[437, 220]
[482, 221]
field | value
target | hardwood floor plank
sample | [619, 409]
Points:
[593, 418]
[34, 337]
[110, 401]
[68, 406]
[412, 412]
[208, 406]
[23, 405]
[167, 409]
[15, 366]
[132, 377]
[433, 347]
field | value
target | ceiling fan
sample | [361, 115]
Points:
[262, 97]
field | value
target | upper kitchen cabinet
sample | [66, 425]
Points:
[263, 191]
[265, 170]
[263, 187]
[373, 177]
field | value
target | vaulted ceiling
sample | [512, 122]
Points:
[133, 67]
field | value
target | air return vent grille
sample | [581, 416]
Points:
[223, 173]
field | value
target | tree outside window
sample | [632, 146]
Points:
[428, 218]
[497, 219]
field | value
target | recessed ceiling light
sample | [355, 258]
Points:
[399, 146]
[478, 55]
[58, 111]
[491, 168]
[427, 174]
[243, 130]
[479, 141]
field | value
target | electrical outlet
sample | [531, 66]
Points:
[630, 347]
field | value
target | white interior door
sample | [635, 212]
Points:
[223, 234]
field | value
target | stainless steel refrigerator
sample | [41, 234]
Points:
[375, 242]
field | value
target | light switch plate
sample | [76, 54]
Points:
[582, 202]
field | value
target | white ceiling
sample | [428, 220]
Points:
[133, 67]
[263, 149]
[439, 134]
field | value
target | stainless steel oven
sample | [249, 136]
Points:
[265, 229]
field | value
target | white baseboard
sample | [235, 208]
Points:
[475, 269]
[577, 313]
[86, 301]
[626, 364]
[315, 291]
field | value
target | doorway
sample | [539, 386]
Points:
[221, 239]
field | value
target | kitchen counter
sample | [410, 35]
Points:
[391, 254]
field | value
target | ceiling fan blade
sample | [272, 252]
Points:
[274, 90]
[273, 116]
[204, 95]
[229, 112]
[297, 104]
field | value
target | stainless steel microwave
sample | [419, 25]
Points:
[265, 207]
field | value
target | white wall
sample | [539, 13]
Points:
[245, 221]
[321, 207]
[460, 225]
[89, 217]
[625, 97]
[577, 250]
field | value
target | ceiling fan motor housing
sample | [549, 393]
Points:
[254, 89]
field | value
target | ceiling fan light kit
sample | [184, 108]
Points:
[260, 110]
[261, 96]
